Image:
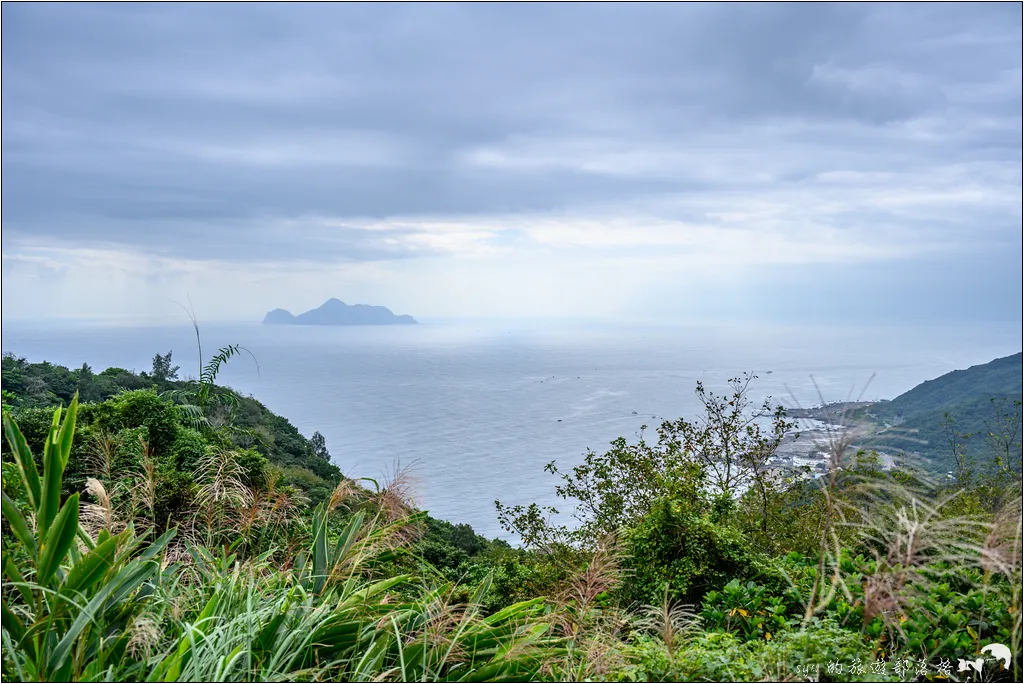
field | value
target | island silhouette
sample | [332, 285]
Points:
[336, 312]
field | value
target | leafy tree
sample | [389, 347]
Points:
[722, 453]
[171, 435]
[319, 445]
[162, 368]
[728, 439]
[1003, 433]
[957, 441]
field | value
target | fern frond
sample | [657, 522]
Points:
[192, 415]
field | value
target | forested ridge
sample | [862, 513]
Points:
[962, 411]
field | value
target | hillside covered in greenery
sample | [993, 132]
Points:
[146, 406]
[964, 414]
[157, 529]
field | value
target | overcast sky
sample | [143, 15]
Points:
[687, 161]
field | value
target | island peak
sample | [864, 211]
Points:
[336, 312]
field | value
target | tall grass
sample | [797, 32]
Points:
[81, 602]
[915, 547]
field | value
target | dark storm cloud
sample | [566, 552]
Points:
[241, 127]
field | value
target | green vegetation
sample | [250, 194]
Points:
[957, 418]
[162, 410]
[169, 530]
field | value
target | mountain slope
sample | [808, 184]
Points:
[998, 378]
[977, 399]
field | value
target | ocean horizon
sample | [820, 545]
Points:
[475, 409]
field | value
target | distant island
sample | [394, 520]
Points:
[336, 312]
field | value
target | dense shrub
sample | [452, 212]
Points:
[821, 652]
[254, 467]
[691, 554]
[746, 610]
[144, 408]
[188, 449]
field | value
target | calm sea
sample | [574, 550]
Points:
[477, 409]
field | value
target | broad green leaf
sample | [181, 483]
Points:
[209, 608]
[12, 623]
[142, 572]
[369, 665]
[373, 590]
[481, 592]
[58, 540]
[128, 576]
[267, 634]
[86, 539]
[18, 525]
[91, 568]
[348, 538]
[169, 669]
[302, 571]
[227, 663]
[158, 546]
[513, 610]
[23, 457]
[53, 471]
[12, 572]
[320, 549]
[67, 432]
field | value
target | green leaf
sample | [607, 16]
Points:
[12, 571]
[371, 662]
[92, 567]
[67, 432]
[227, 663]
[18, 525]
[53, 471]
[513, 610]
[320, 549]
[132, 581]
[209, 608]
[11, 622]
[373, 590]
[88, 541]
[264, 641]
[158, 546]
[348, 538]
[23, 457]
[58, 540]
[128, 578]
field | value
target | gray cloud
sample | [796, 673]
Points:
[241, 128]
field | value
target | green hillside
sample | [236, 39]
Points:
[33, 389]
[982, 402]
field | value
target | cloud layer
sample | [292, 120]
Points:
[373, 148]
